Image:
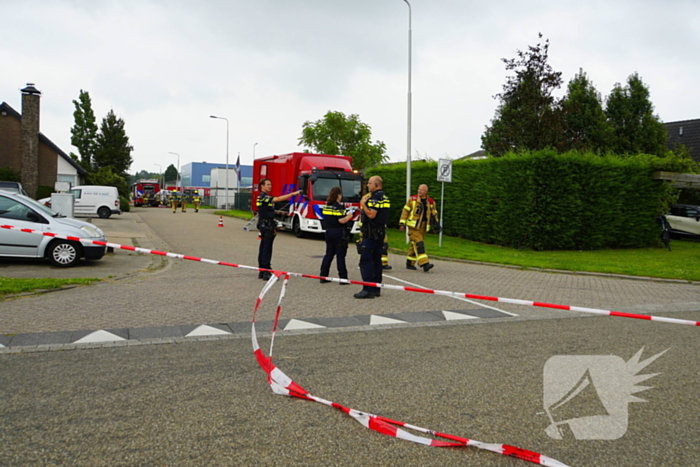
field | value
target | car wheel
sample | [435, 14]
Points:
[63, 254]
[296, 228]
[104, 212]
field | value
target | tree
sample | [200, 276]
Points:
[338, 134]
[170, 173]
[105, 176]
[84, 131]
[585, 126]
[113, 148]
[630, 113]
[528, 117]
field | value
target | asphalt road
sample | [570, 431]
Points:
[206, 402]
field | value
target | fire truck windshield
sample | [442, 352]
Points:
[352, 188]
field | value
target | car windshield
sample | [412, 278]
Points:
[351, 188]
[38, 206]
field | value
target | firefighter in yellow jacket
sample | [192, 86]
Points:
[419, 214]
[173, 200]
[196, 200]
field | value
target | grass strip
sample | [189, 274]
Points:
[11, 286]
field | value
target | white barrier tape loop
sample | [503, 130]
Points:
[282, 384]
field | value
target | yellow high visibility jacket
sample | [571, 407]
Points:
[412, 214]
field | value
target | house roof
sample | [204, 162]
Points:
[687, 133]
[42, 138]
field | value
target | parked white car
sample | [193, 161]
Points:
[684, 220]
[25, 213]
[93, 200]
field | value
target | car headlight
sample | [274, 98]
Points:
[91, 231]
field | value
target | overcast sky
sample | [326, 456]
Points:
[270, 65]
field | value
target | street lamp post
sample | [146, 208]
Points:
[408, 151]
[226, 194]
[177, 180]
[254, 150]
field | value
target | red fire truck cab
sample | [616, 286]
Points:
[315, 175]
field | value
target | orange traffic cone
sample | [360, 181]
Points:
[221, 221]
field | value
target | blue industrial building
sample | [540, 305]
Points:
[199, 174]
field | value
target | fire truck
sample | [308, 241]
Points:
[142, 187]
[315, 175]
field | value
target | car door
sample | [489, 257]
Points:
[81, 206]
[684, 218]
[16, 214]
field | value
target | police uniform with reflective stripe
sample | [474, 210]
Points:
[373, 232]
[267, 226]
[337, 236]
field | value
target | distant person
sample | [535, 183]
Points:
[184, 199]
[196, 200]
[335, 220]
[419, 215]
[374, 207]
[267, 224]
[173, 200]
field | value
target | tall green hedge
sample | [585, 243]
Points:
[543, 200]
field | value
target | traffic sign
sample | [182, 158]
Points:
[444, 171]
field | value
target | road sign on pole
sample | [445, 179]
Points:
[444, 175]
[444, 171]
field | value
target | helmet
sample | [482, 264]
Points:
[196, 191]
[174, 190]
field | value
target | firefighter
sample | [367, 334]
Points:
[419, 215]
[184, 199]
[173, 200]
[195, 200]
[385, 254]
[145, 200]
[267, 224]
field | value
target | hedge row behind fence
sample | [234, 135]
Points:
[543, 200]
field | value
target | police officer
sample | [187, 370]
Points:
[196, 200]
[173, 200]
[374, 208]
[419, 214]
[335, 222]
[267, 224]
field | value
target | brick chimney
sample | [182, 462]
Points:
[30, 139]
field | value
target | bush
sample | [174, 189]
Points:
[44, 191]
[124, 204]
[545, 201]
[9, 175]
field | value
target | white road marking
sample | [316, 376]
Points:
[450, 296]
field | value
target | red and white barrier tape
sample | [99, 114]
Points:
[372, 284]
[282, 384]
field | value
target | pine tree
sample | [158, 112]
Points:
[585, 125]
[630, 113]
[113, 148]
[84, 131]
[528, 117]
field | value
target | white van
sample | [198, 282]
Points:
[91, 200]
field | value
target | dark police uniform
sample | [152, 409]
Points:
[337, 237]
[268, 227]
[373, 232]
